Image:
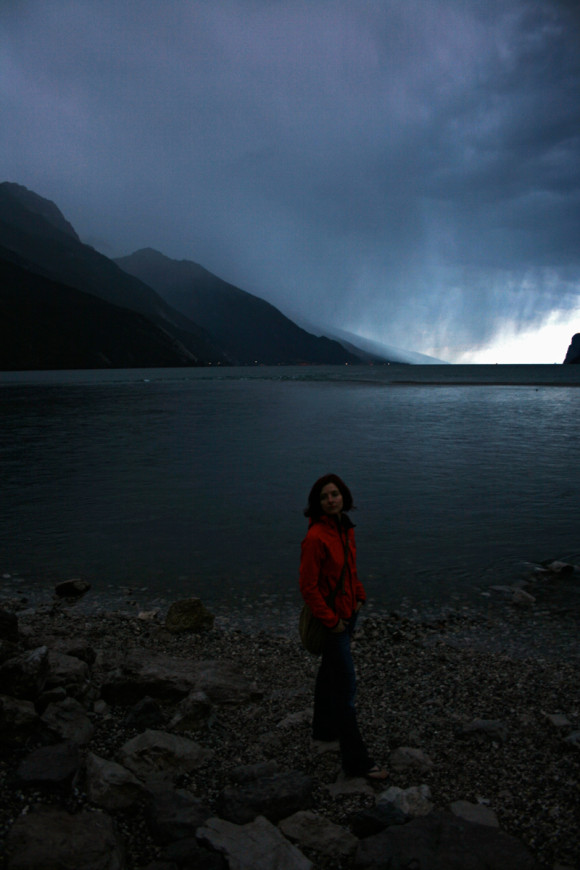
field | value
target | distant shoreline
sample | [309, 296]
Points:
[395, 374]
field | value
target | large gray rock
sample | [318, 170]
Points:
[407, 757]
[188, 615]
[110, 785]
[67, 671]
[311, 831]
[146, 713]
[72, 588]
[412, 802]
[18, 720]
[375, 819]
[440, 841]
[222, 682]
[141, 673]
[275, 797]
[255, 846]
[478, 813]
[50, 839]
[24, 675]
[174, 815]
[159, 756]
[192, 713]
[68, 720]
[56, 765]
[187, 853]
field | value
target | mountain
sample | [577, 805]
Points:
[383, 352]
[35, 235]
[573, 354]
[249, 329]
[46, 325]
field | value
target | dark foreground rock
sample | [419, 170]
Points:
[441, 841]
[51, 837]
[129, 746]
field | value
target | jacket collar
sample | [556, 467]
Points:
[345, 523]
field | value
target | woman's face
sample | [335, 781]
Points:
[331, 500]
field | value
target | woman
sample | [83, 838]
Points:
[330, 587]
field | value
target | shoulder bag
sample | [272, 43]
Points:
[312, 631]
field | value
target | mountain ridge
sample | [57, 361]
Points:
[250, 329]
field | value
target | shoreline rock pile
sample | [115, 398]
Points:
[133, 742]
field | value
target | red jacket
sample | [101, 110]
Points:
[321, 566]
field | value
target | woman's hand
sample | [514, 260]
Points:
[359, 604]
[338, 629]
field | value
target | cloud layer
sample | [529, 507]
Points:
[408, 170]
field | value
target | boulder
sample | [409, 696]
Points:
[346, 785]
[192, 713]
[522, 598]
[24, 675]
[251, 772]
[441, 841]
[18, 720]
[159, 756]
[49, 837]
[412, 802]
[67, 720]
[68, 672]
[140, 674]
[478, 813]
[188, 853]
[407, 757]
[573, 739]
[275, 797]
[8, 649]
[311, 831]
[9, 626]
[51, 696]
[258, 845]
[174, 815]
[110, 785]
[188, 615]
[146, 713]
[375, 819]
[223, 682]
[558, 721]
[72, 588]
[56, 765]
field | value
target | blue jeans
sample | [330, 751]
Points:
[334, 701]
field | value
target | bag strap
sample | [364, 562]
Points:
[340, 585]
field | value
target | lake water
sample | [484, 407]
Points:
[154, 484]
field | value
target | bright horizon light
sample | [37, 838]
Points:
[544, 345]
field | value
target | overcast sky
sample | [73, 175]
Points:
[406, 169]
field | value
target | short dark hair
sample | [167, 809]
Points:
[313, 509]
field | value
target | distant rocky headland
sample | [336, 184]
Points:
[573, 354]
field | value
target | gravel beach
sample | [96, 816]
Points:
[488, 703]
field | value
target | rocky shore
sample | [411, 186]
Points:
[170, 740]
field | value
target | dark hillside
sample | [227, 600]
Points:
[248, 328]
[46, 325]
[50, 248]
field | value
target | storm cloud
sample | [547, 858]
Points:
[406, 170]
